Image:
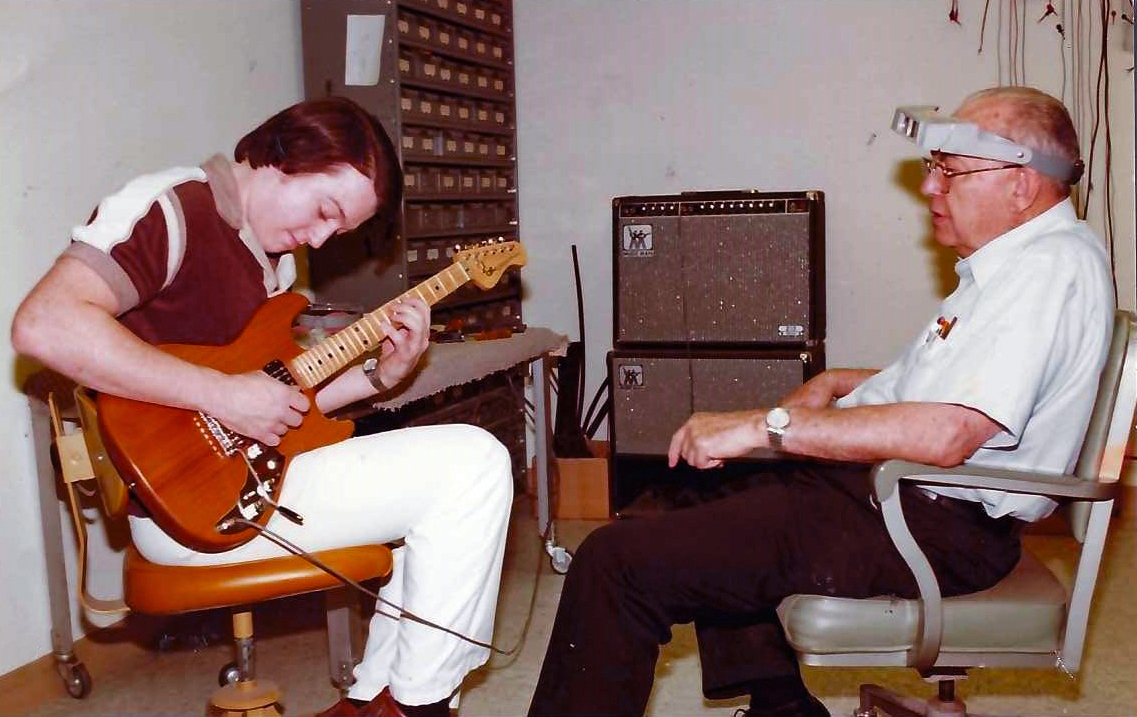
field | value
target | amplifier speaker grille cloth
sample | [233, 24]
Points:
[717, 278]
[654, 394]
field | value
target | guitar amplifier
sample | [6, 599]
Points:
[655, 392]
[725, 268]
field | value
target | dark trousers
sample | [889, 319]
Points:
[803, 528]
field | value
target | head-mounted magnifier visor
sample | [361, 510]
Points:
[933, 132]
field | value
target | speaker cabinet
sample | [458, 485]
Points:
[719, 268]
[655, 392]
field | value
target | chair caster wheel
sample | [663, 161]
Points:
[228, 674]
[77, 679]
[560, 559]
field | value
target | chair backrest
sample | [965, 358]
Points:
[1103, 449]
[112, 490]
[1103, 452]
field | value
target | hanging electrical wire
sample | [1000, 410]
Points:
[1062, 44]
[1022, 42]
[1013, 42]
[1083, 30]
[983, 25]
[1096, 112]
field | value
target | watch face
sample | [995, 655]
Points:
[778, 418]
[370, 365]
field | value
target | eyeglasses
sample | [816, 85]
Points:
[934, 165]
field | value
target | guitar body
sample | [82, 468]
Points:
[177, 473]
[194, 475]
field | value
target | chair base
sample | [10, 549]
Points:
[876, 700]
[251, 698]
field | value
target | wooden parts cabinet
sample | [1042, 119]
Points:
[439, 75]
[444, 91]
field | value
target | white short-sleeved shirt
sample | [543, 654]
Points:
[1029, 329]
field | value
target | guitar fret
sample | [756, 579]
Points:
[303, 367]
[318, 374]
[358, 330]
[376, 335]
[353, 336]
[348, 351]
[337, 359]
[313, 373]
[309, 372]
[366, 328]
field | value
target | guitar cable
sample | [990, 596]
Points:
[296, 550]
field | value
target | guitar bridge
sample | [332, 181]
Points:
[265, 469]
[224, 442]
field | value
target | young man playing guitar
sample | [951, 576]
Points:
[187, 256]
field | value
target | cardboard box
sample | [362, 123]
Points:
[580, 485]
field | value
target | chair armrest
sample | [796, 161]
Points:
[888, 474]
[930, 631]
[886, 477]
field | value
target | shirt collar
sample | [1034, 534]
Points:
[987, 260]
[223, 184]
[278, 276]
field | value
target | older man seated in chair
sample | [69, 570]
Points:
[1003, 375]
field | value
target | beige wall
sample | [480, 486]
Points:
[92, 94]
[615, 97]
[665, 96]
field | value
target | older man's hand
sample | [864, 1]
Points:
[706, 439]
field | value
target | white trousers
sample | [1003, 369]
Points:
[447, 491]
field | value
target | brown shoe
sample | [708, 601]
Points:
[383, 705]
[343, 708]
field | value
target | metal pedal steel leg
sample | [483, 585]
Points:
[341, 636]
[560, 558]
[71, 670]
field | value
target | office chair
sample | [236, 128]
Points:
[165, 590]
[1028, 619]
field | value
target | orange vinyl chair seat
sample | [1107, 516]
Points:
[167, 589]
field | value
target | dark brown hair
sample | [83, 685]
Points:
[316, 135]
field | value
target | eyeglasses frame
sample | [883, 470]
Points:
[931, 164]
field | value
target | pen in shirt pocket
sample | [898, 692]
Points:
[942, 328]
[945, 326]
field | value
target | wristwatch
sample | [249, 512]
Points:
[777, 421]
[371, 371]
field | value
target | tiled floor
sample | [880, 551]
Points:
[131, 676]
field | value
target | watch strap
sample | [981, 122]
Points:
[775, 437]
[371, 371]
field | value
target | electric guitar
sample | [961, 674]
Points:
[195, 476]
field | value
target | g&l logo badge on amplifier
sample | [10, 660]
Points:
[630, 376]
[637, 240]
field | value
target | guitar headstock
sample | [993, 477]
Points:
[485, 263]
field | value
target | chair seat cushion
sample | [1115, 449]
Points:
[164, 589]
[1024, 612]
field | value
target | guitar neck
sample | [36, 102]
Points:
[338, 350]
